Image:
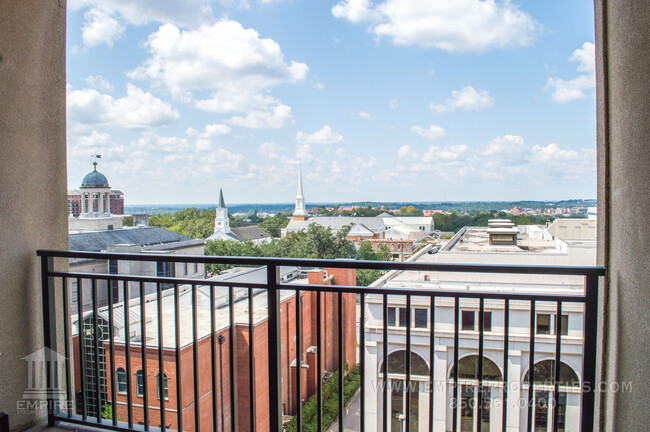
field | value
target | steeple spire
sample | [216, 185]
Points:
[300, 212]
[221, 221]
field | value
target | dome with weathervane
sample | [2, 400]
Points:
[94, 179]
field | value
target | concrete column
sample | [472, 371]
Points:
[440, 389]
[623, 109]
[33, 182]
[514, 391]
[371, 387]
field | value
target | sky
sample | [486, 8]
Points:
[385, 100]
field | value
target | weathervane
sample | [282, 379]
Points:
[95, 156]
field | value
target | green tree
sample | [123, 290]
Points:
[107, 411]
[274, 224]
[365, 253]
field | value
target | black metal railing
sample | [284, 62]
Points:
[103, 344]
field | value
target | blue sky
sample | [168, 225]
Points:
[391, 100]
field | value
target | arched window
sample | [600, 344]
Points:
[468, 368]
[121, 381]
[140, 382]
[397, 364]
[544, 373]
[165, 388]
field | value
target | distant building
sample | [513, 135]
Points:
[130, 240]
[399, 234]
[222, 230]
[94, 206]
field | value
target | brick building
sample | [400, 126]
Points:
[140, 375]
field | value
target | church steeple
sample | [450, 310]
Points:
[221, 222]
[300, 212]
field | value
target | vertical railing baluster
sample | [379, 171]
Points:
[98, 392]
[556, 374]
[82, 349]
[233, 359]
[299, 359]
[506, 348]
[432, 340]
[49, 331]
[275, 375]
[251, 359]
[213, 352]
[319, 361]
[479, 372]
[161, 359]
[127, 343]
[408, 363]
[455, 385]
[340, 360]
[362, 363]
[195, 361]
[111, 336]
[590, 329]
[384, 365]
[177, 343]
[66, 341]
[143, 345]
[531, 367]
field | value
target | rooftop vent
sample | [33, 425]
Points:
[502, 232]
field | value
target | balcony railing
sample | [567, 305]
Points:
[197, 319]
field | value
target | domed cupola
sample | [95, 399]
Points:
[94, 179]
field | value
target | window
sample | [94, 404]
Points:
[121, 381]
[391, 317]
[165, 388]
[543, 324]
[396, 317]
[420, 318]
[487, 321]
[467, 320]
[140, 382]
[564, 325]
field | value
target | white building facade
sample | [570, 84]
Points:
[533, 246]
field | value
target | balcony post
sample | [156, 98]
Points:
[275, 380]
[49, 336]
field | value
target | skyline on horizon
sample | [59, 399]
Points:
[374, 98]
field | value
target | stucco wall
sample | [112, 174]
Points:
[32, 179]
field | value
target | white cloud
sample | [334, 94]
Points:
[444, 154]
[356, 11]
[565, 91]
[274, 119]
[366, 115]
[458, 26]
[393, 104]
[138, 109]
[187, 12]
[100, 27]
[464, 99]
[406, 152]
[323, 136]
[235, 65]
[210, 131]
[433, 132]
[98, 82]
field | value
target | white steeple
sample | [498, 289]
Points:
[300, 199]
[221, 222]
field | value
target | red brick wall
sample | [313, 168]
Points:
[329, 321]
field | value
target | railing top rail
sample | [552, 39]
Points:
[336, 263]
